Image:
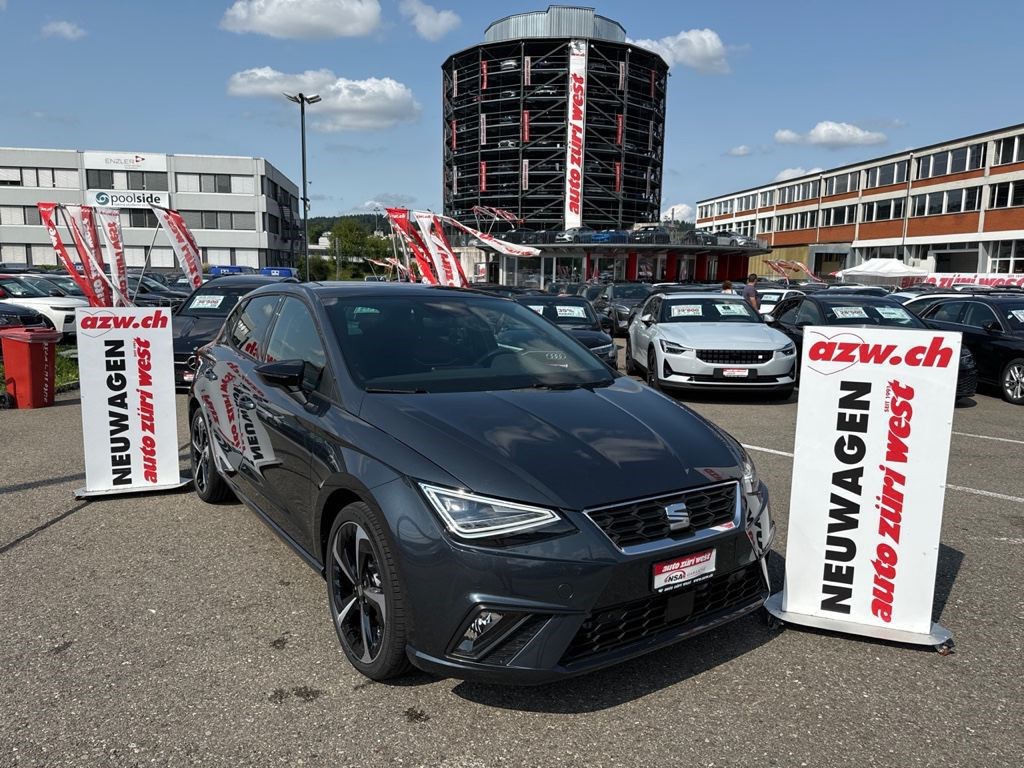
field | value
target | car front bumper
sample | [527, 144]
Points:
[581, 603]
[687, 371]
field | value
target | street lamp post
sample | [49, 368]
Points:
[302, 100]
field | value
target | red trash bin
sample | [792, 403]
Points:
[30, 365]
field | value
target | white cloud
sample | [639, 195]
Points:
[65, 29]
[699, 49]
[791, 173]
[833, 135]
[678, 212]
[385, 200]
[741, 151]
[430, 23]
[348, 105]
[303, 19]
[3, 5]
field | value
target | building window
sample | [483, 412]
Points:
[950, 201]
[766, 198]
[951, 161]
[142, 218]
[844, 182]
[1007, 256]
[97, 179]
[890, 173]
[243, 221]
[745, 203]
[765, 224]
[10, 177]
[882, 210]
[12, 215]
[1006, 195]
[187, 182]
[65, 178]
[193, 219]
[32, 215]
[834, 217]
[150, 181]
[1008, 150]
[273, 224]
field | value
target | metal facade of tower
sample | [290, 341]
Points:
[557, 119]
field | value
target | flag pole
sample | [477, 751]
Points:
[145, 263]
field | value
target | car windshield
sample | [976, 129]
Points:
[852, 312]
[451, 343]
[593, 292]
[66, 284]
[214, 299]
[709, 310]
[20, 290]
[45, 285]
[575, 313]
[1014, 314]
[637, 291]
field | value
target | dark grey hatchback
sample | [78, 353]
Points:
[484, 498]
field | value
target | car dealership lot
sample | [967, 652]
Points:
[159, 630]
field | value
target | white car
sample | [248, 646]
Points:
[59, 311]
[703, 341]
[772, 296]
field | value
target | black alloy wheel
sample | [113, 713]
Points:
[209, 485]
[652, 369]
[1012, 381]
[631, 366]
[366, 600]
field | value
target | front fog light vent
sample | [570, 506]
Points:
[485, 630]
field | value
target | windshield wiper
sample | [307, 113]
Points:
[387, 391]
[570, 385]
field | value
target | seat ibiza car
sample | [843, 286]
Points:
[484, 498]
[705, 341]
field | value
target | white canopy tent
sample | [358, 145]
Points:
[881, 271]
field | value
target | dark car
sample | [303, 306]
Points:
[993, 329]
[16, 316]
[576, 317]
[202, 315]
[860, 290]
[507, 291]
[616, 301]
[699, 237]
[850, 310]
[505, 512]
[144, 290]
[649, 235]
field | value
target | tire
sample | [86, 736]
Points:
[652, 370]
[206, 480]
[365, 595]
[1011, 382]
[631, 367]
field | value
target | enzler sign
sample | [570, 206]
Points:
[869, 476]
[129, 418]
[124, 161]
[126, 198]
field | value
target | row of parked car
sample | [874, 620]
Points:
[650, 235]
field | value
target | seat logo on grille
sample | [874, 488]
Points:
[678, 517]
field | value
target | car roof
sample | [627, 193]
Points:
[860, 298]
[704, 295]
[551, 298]
[246, 280]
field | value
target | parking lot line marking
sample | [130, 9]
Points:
[961, 488]
[989, 437]
[994, 495]
[767, 450]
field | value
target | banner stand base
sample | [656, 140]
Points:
[82, 493]
[939, 637]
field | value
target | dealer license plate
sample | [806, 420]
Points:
[736, 373]
[684, 570]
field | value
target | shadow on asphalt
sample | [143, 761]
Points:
[948, 568]
[40, 483]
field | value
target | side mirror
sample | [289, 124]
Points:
[992, 326]
[769, 318]
[606, 324]
[647, 319]
[287, 374]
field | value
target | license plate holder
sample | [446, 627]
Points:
[735, 373]
[681, 571]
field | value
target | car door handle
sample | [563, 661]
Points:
[210, 374]
[246, 403]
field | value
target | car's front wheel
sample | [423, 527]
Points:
[652, 369]
[365, 594]
[631, 366]
[207, 481]
[1012, 381]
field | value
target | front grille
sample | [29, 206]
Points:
[30, 319]
[967, 383]
[734, 356]
[615, 627]
[644, 521]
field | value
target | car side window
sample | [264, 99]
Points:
[787, 311]
[249, 329]
[978, 314]
[947, 313]
[808, 314]
[295, 337]
[653, 308]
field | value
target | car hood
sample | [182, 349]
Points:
[191, 331]
[571, 449]
[724, 335]
[590, 338]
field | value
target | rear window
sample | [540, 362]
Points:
[215, 300]
[855, 313]
[699, 310]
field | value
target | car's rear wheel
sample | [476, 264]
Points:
[1012, 381]
[631, 366]
[207, 481]
[365, 594]
[652, 369]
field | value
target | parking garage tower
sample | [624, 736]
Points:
[557, 119]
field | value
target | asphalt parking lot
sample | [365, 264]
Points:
[156, 630]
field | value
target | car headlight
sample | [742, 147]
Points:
[472, 517]
[669, 348]
[605, 349]
[966, 358]
[789, 350]
[750, 479]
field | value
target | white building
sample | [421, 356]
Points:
[241, 210]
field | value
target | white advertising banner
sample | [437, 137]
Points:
[124, 161]
[949, 279]
[124, 198]
[129, 418]
[869, 477]
[577, 113]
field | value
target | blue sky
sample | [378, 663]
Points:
[757, 89]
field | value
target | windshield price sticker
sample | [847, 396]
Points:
[770, 298]
[207, 302]
[681, 571]
[686, 310]
[571, 311]
[538, 308]
[892, 313]
[849, 313]
[732, 308]
[1018, 313]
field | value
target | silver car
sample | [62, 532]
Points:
[702, 341]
